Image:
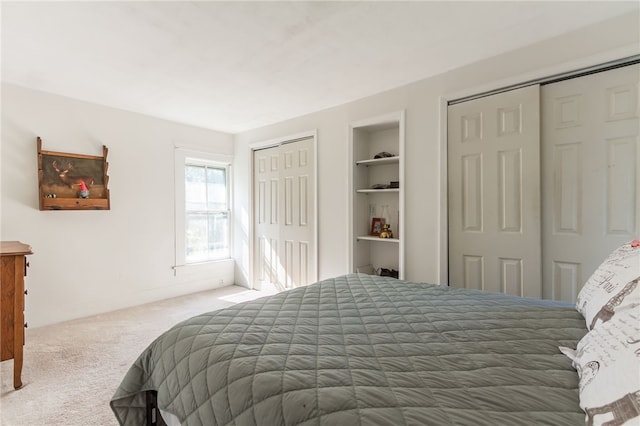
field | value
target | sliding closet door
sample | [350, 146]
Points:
[590, 185]
[494, 193]
[284, 212]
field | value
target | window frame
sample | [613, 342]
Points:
[182, 159]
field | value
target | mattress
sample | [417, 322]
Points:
[361, 349]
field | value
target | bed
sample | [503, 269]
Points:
[363, 350]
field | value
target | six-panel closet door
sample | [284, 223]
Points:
[590, 161]
[284, 216]
[588, 200]
[494, 193]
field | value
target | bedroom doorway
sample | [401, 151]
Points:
[589, 196]
[284, 207]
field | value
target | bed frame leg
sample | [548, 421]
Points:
[153, 416]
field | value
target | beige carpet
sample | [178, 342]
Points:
[72, 369]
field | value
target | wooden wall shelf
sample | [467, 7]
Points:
[60, 179]
[75, 204]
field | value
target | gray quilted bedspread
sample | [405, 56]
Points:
[364, 350]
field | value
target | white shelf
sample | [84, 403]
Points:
[370, 190]
[373, 238]
[379, 161]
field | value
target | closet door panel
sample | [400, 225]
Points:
[494, 193]
[590, 158]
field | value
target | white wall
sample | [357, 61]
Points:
[425, 253]
[87, 262]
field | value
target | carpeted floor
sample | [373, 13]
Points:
[72, 369]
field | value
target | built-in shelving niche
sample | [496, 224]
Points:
[372, 188]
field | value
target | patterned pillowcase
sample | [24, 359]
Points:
[608, 363]
[613, 287]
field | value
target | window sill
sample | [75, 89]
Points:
[203, 264]
[216, 271]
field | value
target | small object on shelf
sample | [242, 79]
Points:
[376, 226]
[385, 215]
[394, 184]
[383, 154]
[84, 192]
[379, 186]
[384, 272]
[386, 232]
[365, 269]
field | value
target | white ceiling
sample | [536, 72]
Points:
[233, 66]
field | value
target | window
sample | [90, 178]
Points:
[206, 211]
[203, 216]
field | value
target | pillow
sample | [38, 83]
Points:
[608, 363]
[612, 287]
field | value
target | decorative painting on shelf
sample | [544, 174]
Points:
[72, 181]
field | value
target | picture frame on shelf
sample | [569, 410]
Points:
[377, 223]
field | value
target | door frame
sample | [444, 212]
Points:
[270, 143]
[556, 72]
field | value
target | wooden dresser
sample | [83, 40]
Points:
[14, 268]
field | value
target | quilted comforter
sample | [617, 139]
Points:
[364, 350]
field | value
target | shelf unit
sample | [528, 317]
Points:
[366, 139]
[58, 189]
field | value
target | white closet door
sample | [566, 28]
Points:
[590, 184]
[284, 215]
[297, 226]
[494, 193]
[267, 218]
